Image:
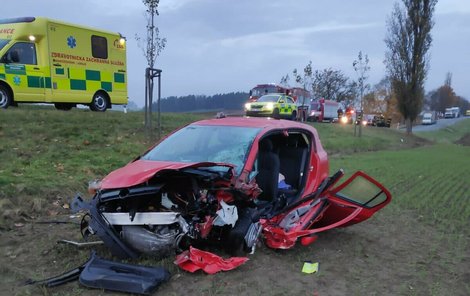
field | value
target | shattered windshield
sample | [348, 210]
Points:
[200, 143]
[3, 42]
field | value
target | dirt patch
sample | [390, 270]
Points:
[387, 255]
[465, 140]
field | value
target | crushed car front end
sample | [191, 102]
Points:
[193, 206]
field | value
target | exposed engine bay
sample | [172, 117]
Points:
[197, 207]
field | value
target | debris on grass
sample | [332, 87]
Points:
[310, 267]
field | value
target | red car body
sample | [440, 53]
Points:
[196, 200]
[139, 171]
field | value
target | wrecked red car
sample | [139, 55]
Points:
[224, 184]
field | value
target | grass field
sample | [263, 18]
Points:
[418, 245]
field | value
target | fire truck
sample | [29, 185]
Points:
[264, 89]
[300, 95]
[302, 99]
[324, 110]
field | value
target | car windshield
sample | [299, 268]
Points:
[3, 42]
[201, 143]
[268, 98]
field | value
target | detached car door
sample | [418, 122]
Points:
[354, 201]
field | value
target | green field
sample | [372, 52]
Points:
[418, 245]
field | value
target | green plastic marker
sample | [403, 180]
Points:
[310, 267]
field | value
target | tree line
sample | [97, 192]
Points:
[191, 103]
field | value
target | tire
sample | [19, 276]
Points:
[63, 106]
[99, 103]
[5, 97]
[294, 115]
[276, 114]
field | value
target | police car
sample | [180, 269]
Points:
[272, 105]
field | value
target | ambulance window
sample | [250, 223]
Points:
[99, 47]
[3, 42]
[21, 53]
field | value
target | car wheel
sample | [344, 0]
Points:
[5, 97]
[276, 114]
[99, 103]
[294, 115]
[63, 106]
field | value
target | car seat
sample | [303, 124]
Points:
[292, 162]
[268, 170]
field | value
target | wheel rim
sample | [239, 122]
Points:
[100, 102]
[3, 98]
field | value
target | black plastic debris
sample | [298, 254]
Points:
[109, 275]
[105, 274]
[64, 278]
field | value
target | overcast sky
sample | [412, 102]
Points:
[219, 46]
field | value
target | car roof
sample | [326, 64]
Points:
[266, 125]
[260, 122]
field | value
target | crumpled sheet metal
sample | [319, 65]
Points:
[194, 259]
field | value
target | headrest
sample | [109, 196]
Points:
[266, 145]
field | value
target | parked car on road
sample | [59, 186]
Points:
[429, 117]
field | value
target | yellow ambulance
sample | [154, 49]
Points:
[47, 61]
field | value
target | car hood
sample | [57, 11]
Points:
[140, 171]
[262, 103]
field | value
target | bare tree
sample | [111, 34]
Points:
[408, 41]
[331, 85]
[304, 80]
[285, 80]
[361, 66]
[151, 48]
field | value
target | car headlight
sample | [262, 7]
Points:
[248, 106]
[344, 119]
[270, 106]
[364, 122]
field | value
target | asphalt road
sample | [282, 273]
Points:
[441, 123]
